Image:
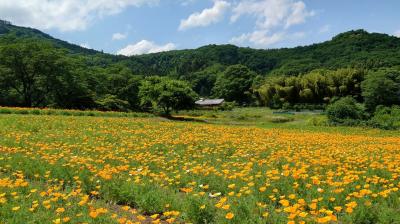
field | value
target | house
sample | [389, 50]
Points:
[209, 103]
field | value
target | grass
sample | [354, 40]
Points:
[266, 118]
[65, 112]
[85, 169]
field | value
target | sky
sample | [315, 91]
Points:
[133, 27]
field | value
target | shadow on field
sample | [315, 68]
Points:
[189, 119]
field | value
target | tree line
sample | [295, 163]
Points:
[37, 70]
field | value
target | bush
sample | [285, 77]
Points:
[386, 118]
[227, 106]
[281, 119]
[318, 121]
[345, 111]
[112, 103]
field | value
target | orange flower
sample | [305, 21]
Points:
[229, 215]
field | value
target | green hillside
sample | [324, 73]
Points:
[354, 48]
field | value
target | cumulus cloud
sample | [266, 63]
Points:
[85, 45]
[145, 47]
[262, 38]
[273, 13]
[258, 38]
[119, 36]
[273, 19]
[64, 15]
[206, 17]
[397, 33]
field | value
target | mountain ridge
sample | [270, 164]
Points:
[355, 48]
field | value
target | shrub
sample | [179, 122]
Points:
[227, 106]
[318, 121]
[386, 118]
[345, 111]
[281, 119]
[5, 111]
[112, 103]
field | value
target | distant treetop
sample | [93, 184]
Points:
[5, 22]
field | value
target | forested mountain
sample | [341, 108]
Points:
[66, 75]
[350, 49]
[354, 48]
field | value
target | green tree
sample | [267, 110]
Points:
[165, 95]
[29, 68]
[381, 88]
[346, 110]
[234, 84]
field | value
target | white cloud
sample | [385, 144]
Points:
[262, 39]
[397, 33]
[64, 15]
[145, 47]
[325, 29]
[258, 38]
[206, 17]
[273, 13]
[85, 45]
[119, 36]
[273, 19]
[187, 2]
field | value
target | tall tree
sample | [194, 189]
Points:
[29, 68]
[234, 84]
[381, 88]
[165, 95]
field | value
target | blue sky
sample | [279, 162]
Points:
[142, 26]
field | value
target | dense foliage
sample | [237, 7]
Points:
[345, 111]
[386, 117]
[164, 94]
[382, 88]
[38, 70]
[316, 87]
[234, 84]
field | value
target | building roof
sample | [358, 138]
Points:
[209, 102]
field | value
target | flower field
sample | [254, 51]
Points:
[60, 169]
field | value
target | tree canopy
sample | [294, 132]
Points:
[165, 95]
[39, 70]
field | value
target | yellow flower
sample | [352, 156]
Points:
[324, 219]
[349, 210]
[231, 186]
[303, 214]
[93, 214]
[313, 206]
[60, 210]
[226, 207]
[229, 215]
[16, 208]
[284, 202]
[337, 208]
